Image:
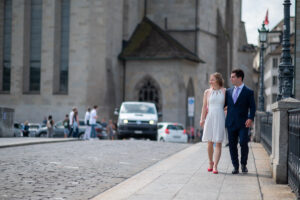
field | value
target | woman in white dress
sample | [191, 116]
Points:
[213, 119]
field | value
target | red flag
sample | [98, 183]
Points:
[266, 22]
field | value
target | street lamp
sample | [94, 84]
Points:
[286, 69]
[263, 33]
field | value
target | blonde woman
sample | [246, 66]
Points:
[213, 119]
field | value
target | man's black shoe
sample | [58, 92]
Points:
[244, 169]
[235, 171]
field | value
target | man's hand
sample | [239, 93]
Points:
[248, 123]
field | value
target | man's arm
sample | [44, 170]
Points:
[226, 93]
[252, 106]
[252, 110]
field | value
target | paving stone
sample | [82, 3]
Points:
[75, 170]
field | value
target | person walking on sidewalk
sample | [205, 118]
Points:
[87, 134]
[66, 126]
[111, 130]
[71, 115]
[25, 129]
[213, 119]
[240, 115]
[75, 123]
[50, 125]
[93, 119]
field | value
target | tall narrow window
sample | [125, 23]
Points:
[35, 45]
[274, 82]
[275, 63]
[7, 45]
[149, 93]
[64, 46]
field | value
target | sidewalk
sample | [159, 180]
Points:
[184, 176]
[21, 141]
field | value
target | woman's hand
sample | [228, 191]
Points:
[202, 124]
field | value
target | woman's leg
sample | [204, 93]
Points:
[210, 150]
[217, 155]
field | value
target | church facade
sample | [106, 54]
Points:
[57, 54]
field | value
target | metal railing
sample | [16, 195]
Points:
[294, 151]
[266, 132]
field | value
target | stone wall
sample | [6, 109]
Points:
[6, 122]
[94, 68]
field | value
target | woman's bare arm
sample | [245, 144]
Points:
[204, 109]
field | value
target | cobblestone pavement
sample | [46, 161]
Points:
[75, 170]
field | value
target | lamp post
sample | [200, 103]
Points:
[262, 38]
[286, 69]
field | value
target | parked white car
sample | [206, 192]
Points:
[171, 132]
[34, 128]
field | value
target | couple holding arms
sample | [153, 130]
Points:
[232, 108]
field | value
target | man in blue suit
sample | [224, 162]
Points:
[240, 115]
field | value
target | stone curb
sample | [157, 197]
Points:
[36, 142]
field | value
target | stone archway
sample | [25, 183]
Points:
[148, 90]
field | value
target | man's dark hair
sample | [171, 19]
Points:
[95, 106]
[239, 73]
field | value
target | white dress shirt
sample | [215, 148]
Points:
[240, 89]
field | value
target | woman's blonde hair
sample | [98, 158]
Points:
[219, 78]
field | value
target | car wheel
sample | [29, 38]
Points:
[120, 137]
[162, 139]
[43, 134]
[153, 138]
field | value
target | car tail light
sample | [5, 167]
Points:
[167, 131]
[184, 131]
[98, 130]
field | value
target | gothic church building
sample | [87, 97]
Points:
[56, 54]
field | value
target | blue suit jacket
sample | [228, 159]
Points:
[243, 109]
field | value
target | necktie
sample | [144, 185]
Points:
[236, 94]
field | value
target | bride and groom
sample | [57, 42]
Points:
[233, 108]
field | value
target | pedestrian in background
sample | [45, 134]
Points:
[87, 134]
[26, 129]
[71, 115]
[50, 124]
[93, 119]
[66, 124]
[111, 130]
[75, 123]
[45, 121]
[103, 122]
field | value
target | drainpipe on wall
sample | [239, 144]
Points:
[145, 8]
[124, 78]
[196, 28]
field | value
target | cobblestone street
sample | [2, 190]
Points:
[75, 170]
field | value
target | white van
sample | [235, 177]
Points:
[137, 119]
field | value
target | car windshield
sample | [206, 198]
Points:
[171, 127]
[138, 108]
[34, 126]
[17, 126]
[175, 127]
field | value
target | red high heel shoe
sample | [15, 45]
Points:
[210, 169]
[215, 172]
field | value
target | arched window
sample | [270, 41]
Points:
[148, 91]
